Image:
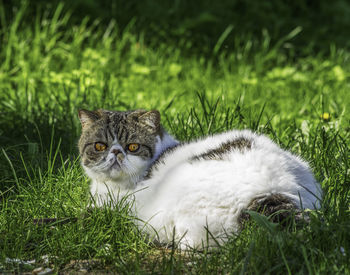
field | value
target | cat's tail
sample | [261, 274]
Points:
[279, 208]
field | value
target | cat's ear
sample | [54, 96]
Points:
[151, 119]
[87, 117]
[148, 119]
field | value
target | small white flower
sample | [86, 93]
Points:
[342, 250]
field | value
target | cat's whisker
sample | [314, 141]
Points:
[131, 170]
[102, 167]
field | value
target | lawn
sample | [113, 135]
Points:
[53, 62]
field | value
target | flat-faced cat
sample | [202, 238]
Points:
[188, 189]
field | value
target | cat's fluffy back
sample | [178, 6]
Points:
[189, 188]
[260, 148]
[262, 165]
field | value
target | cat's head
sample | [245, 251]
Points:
[118, 146]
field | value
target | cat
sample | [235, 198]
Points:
[194, 193]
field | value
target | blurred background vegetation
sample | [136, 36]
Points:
[198, 25]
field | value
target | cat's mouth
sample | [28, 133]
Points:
[115, 165]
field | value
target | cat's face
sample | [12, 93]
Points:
[118, 146]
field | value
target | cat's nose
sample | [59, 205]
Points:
[116, 152]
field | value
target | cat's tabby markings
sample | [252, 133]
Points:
[218, 153]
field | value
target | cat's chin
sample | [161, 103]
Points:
[111, 174]
[116, 173]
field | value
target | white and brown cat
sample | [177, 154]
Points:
[188, 189]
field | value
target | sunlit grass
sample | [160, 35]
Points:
[50, 69]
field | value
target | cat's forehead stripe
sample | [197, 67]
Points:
[120, 131]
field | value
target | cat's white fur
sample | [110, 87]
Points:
[187, 198]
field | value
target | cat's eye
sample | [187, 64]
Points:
[99, 146]
[133, 147]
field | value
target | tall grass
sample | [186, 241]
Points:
[51, 67]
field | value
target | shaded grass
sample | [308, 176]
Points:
[198, 26]
[50, 69]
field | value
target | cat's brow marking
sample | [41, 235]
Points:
[126, 135]
[240, 144]
[108, 131]
[120, 132]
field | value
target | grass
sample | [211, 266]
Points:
[50, 68]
